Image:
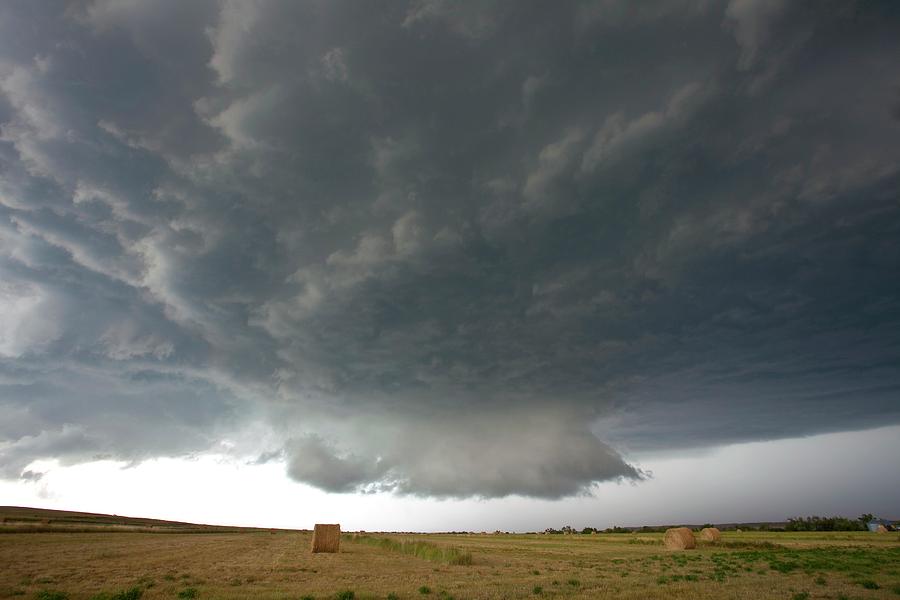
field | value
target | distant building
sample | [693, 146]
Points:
[875, 524]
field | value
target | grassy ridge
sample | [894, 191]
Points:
[16, 519]
[425, 550]
[110, 529]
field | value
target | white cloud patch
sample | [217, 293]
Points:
[234, 29]
[555, 163]
[620, 138]
[472, 22]
[28, 320]
[335, 65]
[752, 23]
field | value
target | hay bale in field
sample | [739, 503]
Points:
[326, 538]
[710, 534]
[881, 529]
[679, 538]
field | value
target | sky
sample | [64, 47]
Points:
[435, 265]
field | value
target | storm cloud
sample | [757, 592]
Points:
[445, 250]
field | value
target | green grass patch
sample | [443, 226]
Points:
[131, 594]
[854, 562]
[783, 566]
[643, 542]
[419, 549]
[750, 545]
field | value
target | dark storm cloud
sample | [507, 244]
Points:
[445, 250]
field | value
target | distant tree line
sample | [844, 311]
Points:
[812, 523]
[567, 529]
[816, 523]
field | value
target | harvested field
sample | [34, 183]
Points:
[257, 564]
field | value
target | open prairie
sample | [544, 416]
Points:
[278, 565]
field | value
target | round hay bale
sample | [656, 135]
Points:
[679, 538]
[882, 529]
[710, 534]
[326, 538]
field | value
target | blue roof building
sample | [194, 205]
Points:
[874, 523]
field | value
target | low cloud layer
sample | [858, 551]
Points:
[440, 250]
[487, 454]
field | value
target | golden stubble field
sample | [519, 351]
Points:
[280, 566]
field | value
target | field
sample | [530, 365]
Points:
[49, 564]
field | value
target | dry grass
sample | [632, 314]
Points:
[280, 567]
[424, 550]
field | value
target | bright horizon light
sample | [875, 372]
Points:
[831, 470]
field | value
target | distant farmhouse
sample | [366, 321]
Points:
[880, 525]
